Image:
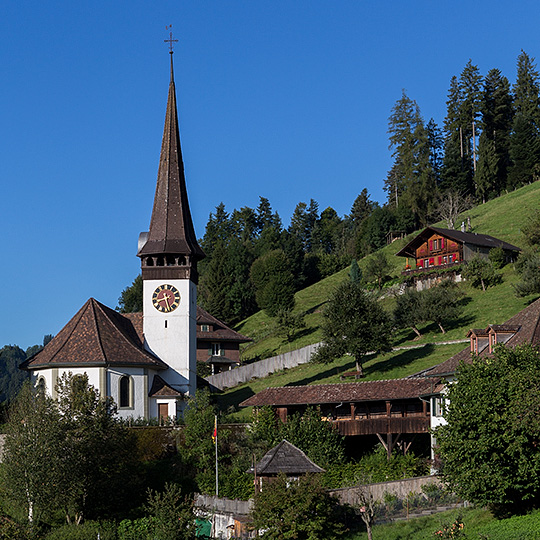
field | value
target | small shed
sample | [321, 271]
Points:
[284, 458]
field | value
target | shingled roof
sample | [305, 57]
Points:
[171, 227]
[285, 458]
[343, 392]
[220, 331]
[474, 239]
[161, 389]
[526, 325]
[95, 336]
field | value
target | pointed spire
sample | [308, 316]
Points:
[171, 240]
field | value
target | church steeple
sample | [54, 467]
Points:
[170, 248]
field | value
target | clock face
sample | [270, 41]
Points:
[166, 298]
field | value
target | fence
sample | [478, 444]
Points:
[262, 368]
[399, 488]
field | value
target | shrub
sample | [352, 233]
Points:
[88, 530]
[137, 529]
[497, 257]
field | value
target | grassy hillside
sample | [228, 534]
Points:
[502, 218]
[477, 524]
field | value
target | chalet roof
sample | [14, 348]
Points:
[525, 326]
[343, 392]
[285, 458]
[478, 332]
[97, 336]
[171, 227]
[161, 389]
[481, 240]
[220, 331]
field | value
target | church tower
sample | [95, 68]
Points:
[169, 253]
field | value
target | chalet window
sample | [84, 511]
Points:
[445, 259]
[217, 350]
[124, 392]
[437, 406]
[426, 263]
[205, 328]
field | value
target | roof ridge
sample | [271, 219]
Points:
[98, 332]
[81, 312]
[121, 332]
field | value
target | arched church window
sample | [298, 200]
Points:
[41, 386]
[125, 384]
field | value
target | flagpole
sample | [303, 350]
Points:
[216, 445]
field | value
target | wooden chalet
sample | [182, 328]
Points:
[284, 458]
[435, 247]
[217, 344]
[389, 410]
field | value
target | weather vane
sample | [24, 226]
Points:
[170, 41]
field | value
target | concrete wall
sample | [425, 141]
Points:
[399, 488]
[262, 368]
[224, 515]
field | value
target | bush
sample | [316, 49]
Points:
[88, 530]
[497, 257]
[137, 529]
[10, 530]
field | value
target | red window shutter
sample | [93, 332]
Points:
[431, 245]
[442, 243]
[431, 260]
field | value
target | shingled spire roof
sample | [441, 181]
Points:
[171, 228]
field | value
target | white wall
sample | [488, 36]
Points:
[172, 336]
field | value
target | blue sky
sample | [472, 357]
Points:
[285, 99]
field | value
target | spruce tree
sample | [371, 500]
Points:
[493, 148]
[524, 147]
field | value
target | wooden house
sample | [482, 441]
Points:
[435, 247]
[217, 344]
[388, 410]
[284, 458]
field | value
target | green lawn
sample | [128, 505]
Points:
[478, 524]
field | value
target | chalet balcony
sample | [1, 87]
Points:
[383, 424]
[412, 272]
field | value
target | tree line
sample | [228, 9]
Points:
[489, 142]
[253, 262]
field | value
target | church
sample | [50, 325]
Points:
[146, 363]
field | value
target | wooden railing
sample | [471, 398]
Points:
[383, 424]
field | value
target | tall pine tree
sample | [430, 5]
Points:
[524, 146]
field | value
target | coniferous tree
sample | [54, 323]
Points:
[524, 151]
[454, 172]
[411, 182]
[493, 148]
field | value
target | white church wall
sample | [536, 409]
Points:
[172, 336]
[138, 391]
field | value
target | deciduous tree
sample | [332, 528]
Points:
[300, 509]
[489, 446]
[355, 323]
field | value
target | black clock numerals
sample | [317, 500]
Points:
[166, 298]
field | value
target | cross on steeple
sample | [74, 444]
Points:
[170, 40]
